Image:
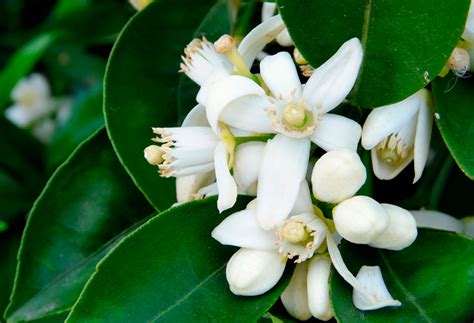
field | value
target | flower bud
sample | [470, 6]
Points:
[318, 288]
[370, 277]
[295, 296]
[337, 175]
[360, 219]
[252, 272]
[400, 233]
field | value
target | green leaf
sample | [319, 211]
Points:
[174, 272]
[406, 43]
[86, 202]
[21, 64]
[141, 86]
[433, 279]
[453, 98]
[10, 242]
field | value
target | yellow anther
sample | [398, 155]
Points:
[154, 155]
[227, 137]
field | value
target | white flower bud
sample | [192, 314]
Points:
[252, 272]
[360, 219]
[400, 233]
[318, 288]
[370, 277]
[140, 4]
[248, 157]
[295, 296]
[337, 175]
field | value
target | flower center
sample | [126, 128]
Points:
[295, 232]
[392, 150]
[295, 114]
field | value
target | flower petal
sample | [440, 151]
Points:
[336, 132]
[268, 10]
[385, 171]
[196, 117]
[318, 287]
[371, 278]
[19, 115]
[303, 203]
[247, 160]
[259, 37]
[331, 82]
[280, 75]
[295, 296]
[188, 186]
[437, 220]
[225, 181]
[253, 272]
[227, 91]
[241, 229]
[388, 119]
[468, 223]
[283, 168]
[284, 39]
[423, 133]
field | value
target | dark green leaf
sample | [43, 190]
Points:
[433, 279]
[174, 272]
[453, 99]
[87, 201]
[141, 86]
[406, 43]
[9, 242]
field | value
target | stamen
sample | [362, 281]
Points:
[227, 137]
[392, 150]
[294, 114]
[226, 46]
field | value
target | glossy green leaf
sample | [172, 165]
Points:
[88, 200]
[174, 272]
[453, 100]
[406, 43]
[433, 279]
[141, 86]
[9, 242]
[21, 64]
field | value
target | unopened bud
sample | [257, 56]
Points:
[337, 175]
[153, 155]
[318, 287]
[295, 296]
[360, 219]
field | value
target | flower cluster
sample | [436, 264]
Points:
[263, 134]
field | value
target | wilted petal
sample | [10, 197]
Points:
[227, 91]
[253, 272]
[280, 75]
[259, 37]
[437, 220]
[337, 132]
[295, 296]
[241, 229]
[388, 119]
[225, 181]
[331, 82]
[247, 160]
[423, 133]
[370, 277]
[283, 168]
[318, 287]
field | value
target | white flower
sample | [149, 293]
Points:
[283, 38]
[398, 133]
[298, 115]
[32, 101]
[337, 175]
[468, 33]
[437, 220]
[140, 4]
[247, 161]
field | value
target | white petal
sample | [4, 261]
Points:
[295, 296]
[360, 219]
[371, 278]
[247, 160]
[331, 82]
[468, 33]
[423, 133]
[401, 232]
[303, 203]
[259, 37]
[437, 220]
[336, 132]
[19, 116]
[209, 190]
[196, 117]
[241, 229]
[225, 181]
[203, 94]
[193, 170]
[44, 130]
[284, 39]
[386, 171]
[468, 222]
[318, 288]
[388, 119]
[187, 186]
[279, 74]
[268, 10]
[283, 168]
[338, 175]
[248, 114]
[226, 91]
[253, 272]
